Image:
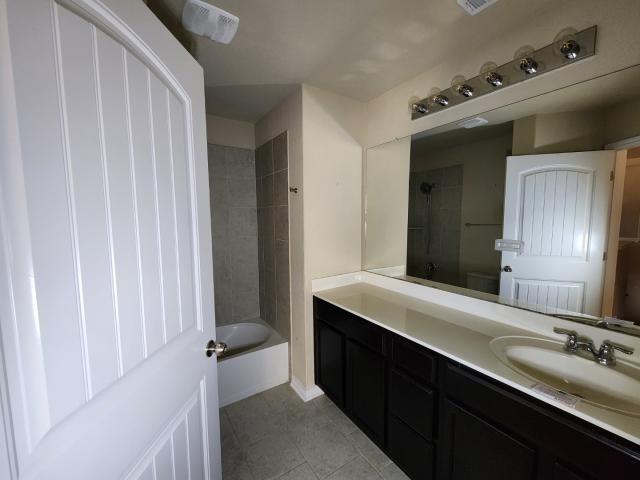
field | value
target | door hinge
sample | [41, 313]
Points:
[604, 256]
[612, 176]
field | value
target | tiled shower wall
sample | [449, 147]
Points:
[234, 225]
[272, 186]
[435, 239]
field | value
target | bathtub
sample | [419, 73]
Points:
[257, 359]
[242, 336]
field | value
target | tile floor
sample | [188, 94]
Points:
[275, 435]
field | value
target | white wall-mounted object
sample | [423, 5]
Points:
[506, 245]
[106, 292]
[473, 122]
[209, 21]
[472, 7]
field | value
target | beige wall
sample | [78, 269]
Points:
[576, 131]
[230, 133]
[558, 133]
[332, 131]
[387, 204]
[622, 121]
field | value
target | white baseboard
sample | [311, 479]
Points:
[303, 392]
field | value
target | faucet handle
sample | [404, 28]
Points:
[608, 345]
[572, 338]
[564, 331]
[606, 354]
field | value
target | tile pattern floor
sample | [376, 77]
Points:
[275, 435]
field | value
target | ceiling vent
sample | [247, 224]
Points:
[475, 6]
[473, 122]
[208, 21]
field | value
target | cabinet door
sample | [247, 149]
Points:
[476, 449]
[330, 362]
[366, 390]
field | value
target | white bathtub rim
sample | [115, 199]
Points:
[274, 339]
[242, 335]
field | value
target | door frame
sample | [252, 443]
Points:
[622, 148]
[613, 237]
[9, 148]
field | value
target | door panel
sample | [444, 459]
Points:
[476, 449]
[557, 206]
[567, 296]
[105, 200]
[366, 389]
[119, 192]
[556, 211]
[330, 362]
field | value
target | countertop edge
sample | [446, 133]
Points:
[521, 388]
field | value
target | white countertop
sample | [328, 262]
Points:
[458, 335]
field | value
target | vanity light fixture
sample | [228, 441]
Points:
[567, 48]
[494, 79]
[570, 49]
[420, 108]
[439, 99]
[464, 90]
[528, 65]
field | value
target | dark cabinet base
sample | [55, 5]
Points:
[437, 419]
[366, 380]
[476, 449]
[410, 451]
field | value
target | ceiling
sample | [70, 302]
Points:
[356, 48]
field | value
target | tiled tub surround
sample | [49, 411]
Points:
[460, 329]
[272, 186]
[434, 233]
[275, 435]
[234, 225]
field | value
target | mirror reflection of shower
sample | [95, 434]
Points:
[427, 189]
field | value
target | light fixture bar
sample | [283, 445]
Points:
[579, 46]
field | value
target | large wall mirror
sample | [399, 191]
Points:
[535, 204]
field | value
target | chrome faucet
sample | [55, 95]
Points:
[605, 355]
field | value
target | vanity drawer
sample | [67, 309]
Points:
[367, 334]
[412, 453]
[414, 359]
[412, 403]
[329, 313]
[356, 328]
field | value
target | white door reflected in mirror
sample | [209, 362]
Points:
[558, 206]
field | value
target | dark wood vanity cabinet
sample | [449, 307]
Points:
[365, 388]
[330, 360]
[439, 420]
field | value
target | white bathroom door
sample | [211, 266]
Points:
[558, 206]
[106, 285]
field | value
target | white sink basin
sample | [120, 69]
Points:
[545, 361]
